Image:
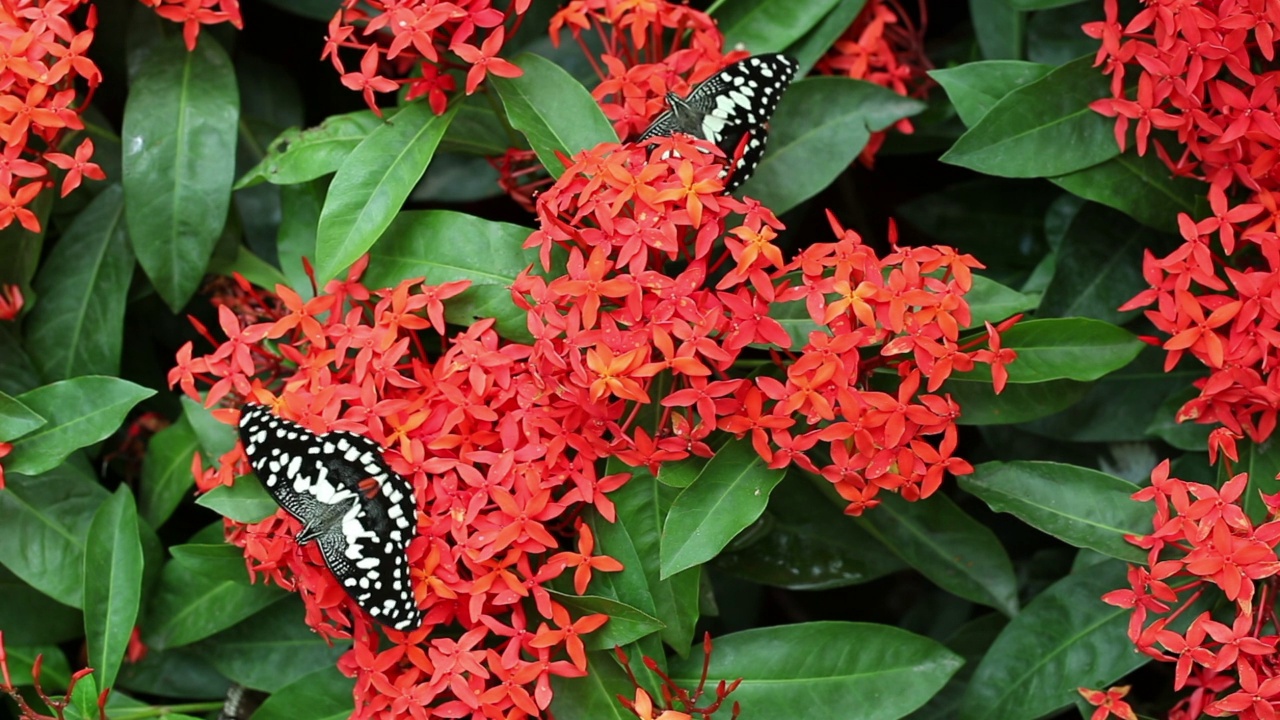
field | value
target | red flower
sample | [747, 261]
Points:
[77, 167]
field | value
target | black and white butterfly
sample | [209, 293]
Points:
[349, 501]
[734, 103]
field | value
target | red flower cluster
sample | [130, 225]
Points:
[1203, 543]
[500, 465]
[42, 57]
[620, 320]
[1199, 75]
[194, 13]
[884, 47]
[416, 43]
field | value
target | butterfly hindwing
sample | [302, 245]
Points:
[350, 502]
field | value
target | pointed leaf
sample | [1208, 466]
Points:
[29, 617]
[77, 328]
[1080, 506]
[594, 696]
[179, 137]
[626, 624]
[81, 411]
[974, 88]
[373, 182]
[728, 495]
[245, 501]
[17, 419]
[1139, 186]
[1099, 266]
[271, 649]
[322, 695]
[1063, 349]
[844, 671]
[55, 672]
[112, 584]
[763, 26]
[299, 155]
[553, 110]
[166, 471]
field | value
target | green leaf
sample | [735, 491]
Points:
[202, 592]
[844, 671]
[1079, 506]
[728, 495]
[372, 184]
[29, 617]
[809, 544]
[1023, 135]
[948, 546]
[246, 501]
[20, 248]
[253, 268]
[84, 695]
[179, 140]
[626, 623]
[17, 419]
[17, 373]
[635, 541]
[322, 695]
[77, 328]
[456, 178]
[989, 301]
[271, 649]
[444, 246]
[112, 584]
[553, 110]
[166, 471]
[1099, 267]
[1054, 35]
[300, 207]
[820, 126]
[1187, 435]
[1020, 402]
[216, 438]
[595, 695]
[1139, 186]
[299, 155]
[46, 520]
[763, 26]
[181, 673]
[1066, 637]
[1262, 462]
[974, 88]
[1063, 349]
[81, 411]
[55, 672]
[479, 128]
[998, 27]
[814, 44]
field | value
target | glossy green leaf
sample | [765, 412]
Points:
[820, 126]
[444, 246]
[179, 161]
[322, 695]
[594, 696]
[728, 495]
[814, 44]
[763, 26]
[999, 29]
[1063, 349]
[300, 206]
[299, 155]
[1262, 462]
[201, 593]
[1023, 135]
[17, 372]
[55, 672]
[372, 184]
[77, 328]
[17, 419]
[626, 623]
[20, 249]
[46, 520]
[1080, 506]
[271, 649]
[456, 178]
[1187, 435]
[948, 546]
[1139, 186]
[1065, 638]
[1054, 35]
[970, 641]
[29, 617]
[809, 544]
[112, 583]
[166, 471]
[1099, 267]
[641, 505]
[245, 501]
[1020, 402]
[179, 673]
[989, 301]
[843, 671]
[216, 438]
[974, 88]
[479, 129]
[553, 110]
[80, 411]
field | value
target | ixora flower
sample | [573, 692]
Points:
[668, 284]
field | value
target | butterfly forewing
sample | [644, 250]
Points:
[357, 509]
[733, 104]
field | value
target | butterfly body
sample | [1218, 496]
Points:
[358, 510]
[729, 107]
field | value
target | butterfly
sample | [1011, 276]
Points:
[734, 103]
[349, 501]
